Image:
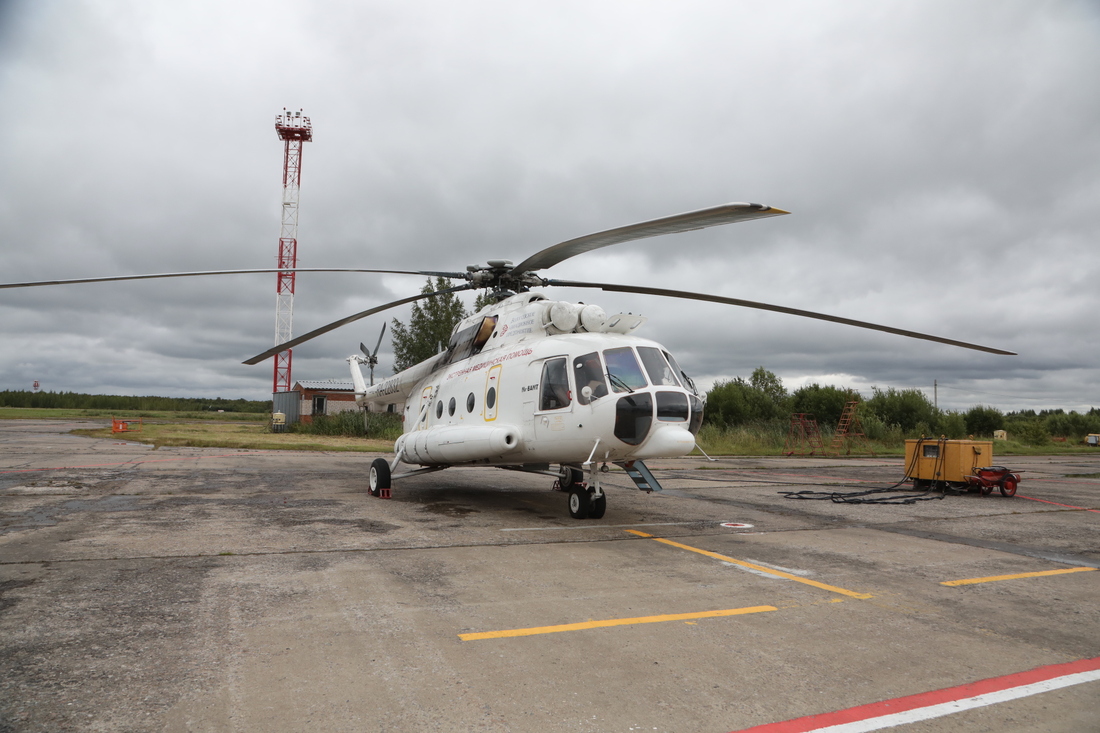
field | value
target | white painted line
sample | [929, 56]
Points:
[958, 706]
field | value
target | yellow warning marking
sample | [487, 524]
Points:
[760, 568]
[536, 630]
[991, 578]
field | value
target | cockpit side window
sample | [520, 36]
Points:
[554, 393]
[470, 340]
[488, 326]
[623, 370]
[659, 371]
[588, 372]
[680, 372]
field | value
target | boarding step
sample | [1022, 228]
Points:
[641, 476]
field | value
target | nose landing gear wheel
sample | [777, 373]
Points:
[579, 502]
[596, 507]
[378, 479]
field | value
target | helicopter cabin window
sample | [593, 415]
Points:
[470, 402]
[659, 371]
[623, 370]
[554, 393]
[588, 373]
[451, 407]
[439, 409]
[672, 407]
[633, 417]
[696, 415]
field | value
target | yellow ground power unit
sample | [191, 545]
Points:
[952, 461]
[956, 464]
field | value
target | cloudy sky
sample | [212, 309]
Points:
[941, 161]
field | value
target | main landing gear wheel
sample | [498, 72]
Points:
[574, 477]
[1008, 487]
[378, 479]
[580, 502]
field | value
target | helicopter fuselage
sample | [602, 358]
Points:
[532, 382]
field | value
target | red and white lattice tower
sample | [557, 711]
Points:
[293, 129]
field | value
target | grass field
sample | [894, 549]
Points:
[250, 431]
[37, 413]
[237, 435]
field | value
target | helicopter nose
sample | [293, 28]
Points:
[667, 441]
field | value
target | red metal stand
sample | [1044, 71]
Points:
[803, 437]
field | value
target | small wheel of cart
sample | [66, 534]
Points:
[1008, 486]
[986, 489]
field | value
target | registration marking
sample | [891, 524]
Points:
[537, 630]
[753, 566]
[992, 578]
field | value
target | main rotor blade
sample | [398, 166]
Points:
[457, 275]
[725, 214]
[344, 321]
[777, 308]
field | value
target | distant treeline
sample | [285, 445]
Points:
[888, 415]
[77, 401]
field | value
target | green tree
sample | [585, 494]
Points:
[737, 402]
[429, 328]
[982, 420]
[766, 382]
[825, 403]
[906, 408]
[483, 299]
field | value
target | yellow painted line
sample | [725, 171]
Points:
[761, 568]
[991, 578]
[536, 630]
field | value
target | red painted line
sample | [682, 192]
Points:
[926, 699]
[137, 462]
[1069, 506]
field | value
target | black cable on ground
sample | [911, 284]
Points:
[861, 497]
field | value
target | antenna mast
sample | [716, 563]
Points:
[293, 129]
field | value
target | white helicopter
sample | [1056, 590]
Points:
[529, 383]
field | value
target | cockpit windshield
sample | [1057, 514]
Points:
[623, 370]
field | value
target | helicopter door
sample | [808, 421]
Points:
[555, 399]
[425, 408]
[492, 392]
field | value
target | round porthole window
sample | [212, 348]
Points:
[490, 398]
[451, 407]
[470, 403]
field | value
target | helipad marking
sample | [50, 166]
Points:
[761, 568]
[938, 703]
[992, 578]
[536, 630]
